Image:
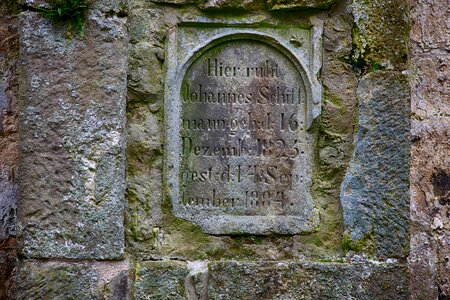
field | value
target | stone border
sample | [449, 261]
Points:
[177, 63]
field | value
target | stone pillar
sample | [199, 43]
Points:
[72, 158]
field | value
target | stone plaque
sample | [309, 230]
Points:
[242, 155]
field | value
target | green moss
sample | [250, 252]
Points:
[71, 12]
[364, 245]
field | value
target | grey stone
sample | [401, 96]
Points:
[72, 139]
[72, 280]
[306, 280]
[236, 186]
[375, 191]
[55, 280]
[161, 280]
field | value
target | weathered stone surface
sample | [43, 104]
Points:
[430, 171]
[430, 193]
[270, 280]
[242, 163]
[443, 255]
[267, 4]
[72, 146]
[254, 125]
[300, 4]
[336, 130]
[54, 280]
[381, 34]
[114, 281]
[233, 4]
[8, 269]
[9, 52]
[118, 288]
[111, 7]
[430, 85]
[375, 191]
[423, 260]
[161, 280]
[71, 280]
[429, 25]
[430, 163]
[288, 280]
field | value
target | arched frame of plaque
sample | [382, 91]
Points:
[177, 64]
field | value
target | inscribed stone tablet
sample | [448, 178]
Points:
[244, 153]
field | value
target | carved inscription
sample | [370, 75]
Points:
[244, 146]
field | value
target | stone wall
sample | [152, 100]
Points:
[85, 138]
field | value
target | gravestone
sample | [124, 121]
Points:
[241, 103]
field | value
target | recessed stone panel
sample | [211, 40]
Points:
[241, 152]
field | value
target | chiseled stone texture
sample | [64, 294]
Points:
[72, 280]
[375, 191]
[270, 280]
[72, 103]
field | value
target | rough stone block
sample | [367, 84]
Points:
[375, 191]
[41, 280]
[72, 280]
[295, 280]
[270, 280]
[161, 280]
[72, 103]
